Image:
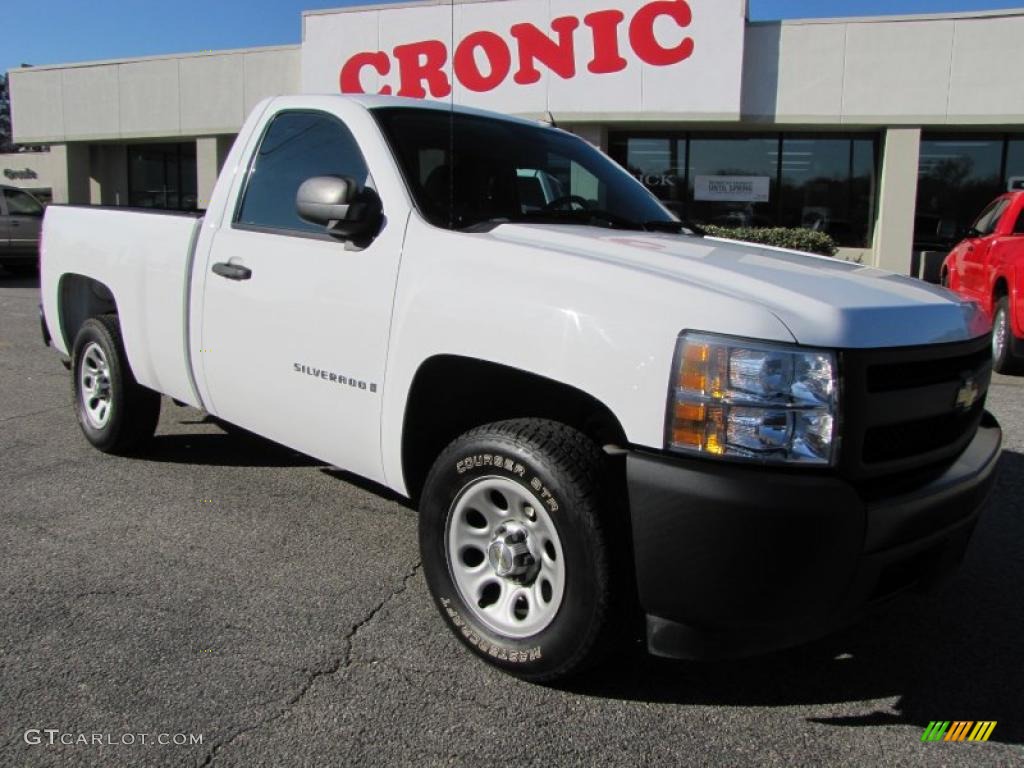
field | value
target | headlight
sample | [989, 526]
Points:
[753, 400]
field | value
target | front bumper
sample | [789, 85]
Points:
[732, 560]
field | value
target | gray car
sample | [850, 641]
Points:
[21, 219]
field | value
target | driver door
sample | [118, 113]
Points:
[295, 321]
[976, 251]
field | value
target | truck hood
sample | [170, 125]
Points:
[824, 302]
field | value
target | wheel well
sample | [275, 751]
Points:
[1002, 289]
[80, 298]
[450, 395]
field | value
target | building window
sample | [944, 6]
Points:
[1015, 161]
[162, 176]
[826, 182]
[958, 177]
[828, 185]
[733, 181]
[656, 162]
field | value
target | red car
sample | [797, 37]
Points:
[988, 267]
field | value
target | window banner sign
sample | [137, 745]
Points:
[732, 189]
[590, 59]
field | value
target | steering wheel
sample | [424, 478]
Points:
[568, 201]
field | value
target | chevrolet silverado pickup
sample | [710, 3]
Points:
[608, 422]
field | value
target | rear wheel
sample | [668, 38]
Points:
[116, 414]
[513, 535]
[1002, 340]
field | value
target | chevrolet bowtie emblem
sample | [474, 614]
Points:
[968, 395]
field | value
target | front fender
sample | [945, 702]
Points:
[603, 329]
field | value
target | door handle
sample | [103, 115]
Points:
[15, 223]
[232, 271]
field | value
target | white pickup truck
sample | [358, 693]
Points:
[607, 421]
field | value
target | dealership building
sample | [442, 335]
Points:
[888, 133]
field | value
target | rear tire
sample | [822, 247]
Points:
[527, 495]
[116, 413]
[1003, 360]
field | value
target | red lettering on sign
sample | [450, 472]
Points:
[605, 25]
[644, 41]
[421, 66]
[535, 45]
[350, 81]
[423, 62]
[499, 57]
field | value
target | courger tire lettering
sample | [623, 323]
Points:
[515, 550]
[116, 414]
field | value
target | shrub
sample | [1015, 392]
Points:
[806, 240]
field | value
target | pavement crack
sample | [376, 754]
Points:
[336, 665]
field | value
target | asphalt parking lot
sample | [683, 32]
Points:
[227, 588]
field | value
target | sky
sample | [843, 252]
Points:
[63, 31]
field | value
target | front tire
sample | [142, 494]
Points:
[513, 536]
[116, 413]
[1003, 360]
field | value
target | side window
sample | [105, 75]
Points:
[989, 220]
[572, 179]
[296, 147]
[21, 204]
[1018, 228]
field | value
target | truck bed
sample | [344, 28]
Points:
[144, 259]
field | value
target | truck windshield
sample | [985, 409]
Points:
[469, 172]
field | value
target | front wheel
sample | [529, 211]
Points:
[116, 414]
[1003, 360]
[515, 551]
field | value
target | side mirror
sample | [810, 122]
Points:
[336, 203]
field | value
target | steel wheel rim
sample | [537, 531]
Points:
[94, 386]
[496, 509]
[999, 333]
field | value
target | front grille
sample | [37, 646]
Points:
[925, 373]
[915, 438]
[901, 412]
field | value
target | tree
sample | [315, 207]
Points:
[6, 137]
